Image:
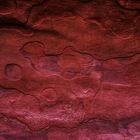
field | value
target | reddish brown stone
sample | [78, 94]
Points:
[69, 70]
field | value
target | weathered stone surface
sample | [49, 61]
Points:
[69, 70]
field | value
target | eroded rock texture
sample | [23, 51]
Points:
[69, 70]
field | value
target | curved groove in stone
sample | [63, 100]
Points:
[48, 97]
[7, 7]
[13, 24]
[50, 94]
[32, 49]
[13, 72]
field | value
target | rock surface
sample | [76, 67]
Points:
[69, 70]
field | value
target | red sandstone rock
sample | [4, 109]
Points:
[69, 70]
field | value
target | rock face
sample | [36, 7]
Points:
[69, 70]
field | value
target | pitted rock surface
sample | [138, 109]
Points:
[69, 70]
